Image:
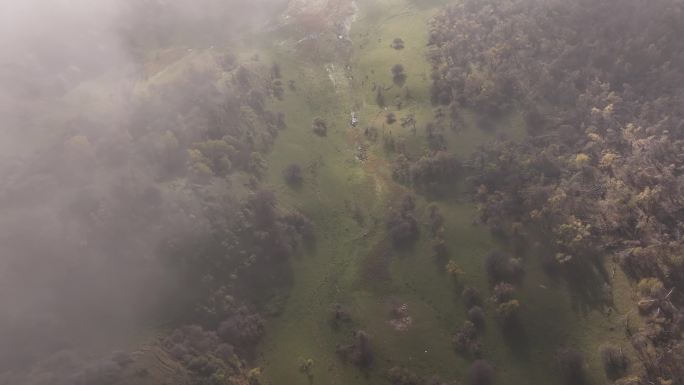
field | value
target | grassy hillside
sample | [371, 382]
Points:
[354, 264]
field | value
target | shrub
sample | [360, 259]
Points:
[503, 268]
[398, 43]
[507, 310]
[338, 315]
[434, 169]
[471, 297]
[380, 98]
[571, 365]
[615, 362]
[398, 75]
[481, 373]
[400, 376]
[293, 175]
[503, 292]
[453, 269]
[465, 340]
[390, 118]
[319, 126]
[477, 316]
[360, 352]
[402, 226]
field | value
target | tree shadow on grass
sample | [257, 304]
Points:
[515, 336]
[588, 286]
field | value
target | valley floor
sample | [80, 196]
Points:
[347, 191]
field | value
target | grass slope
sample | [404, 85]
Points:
[338, 187]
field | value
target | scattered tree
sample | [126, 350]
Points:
[398, 43]
[390, 118]
[319, 126]
[293, 175]
[398, 75]
[380, 98]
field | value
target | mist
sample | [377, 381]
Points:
[401, 192]
[84, 215]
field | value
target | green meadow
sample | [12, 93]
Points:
[354, 264]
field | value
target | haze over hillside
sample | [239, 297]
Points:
[351, 192]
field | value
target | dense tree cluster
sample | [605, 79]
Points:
[601, 173]
[242, 328]
[431, 172]
[157, 211]
[207, 356]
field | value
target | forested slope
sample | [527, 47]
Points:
[600, 176]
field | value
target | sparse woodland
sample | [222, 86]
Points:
[600, 176]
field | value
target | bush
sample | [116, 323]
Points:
[402, 226]
[503, 292]
[435, 220]
[503, 268]
[477, 316]
[319, 126]
[360, 352]
[465, 340]
[508, 310]
[481, 373]
[380, 98]
[398, 43]
[293, 175]
[390, 118]
[471, 297]
[571, 365]
[398, 75]
[615, 362]
[338, 315]
[454, 270]
[400, 376]
[650, 288]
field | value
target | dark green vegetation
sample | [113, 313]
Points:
[384, 192]
[599, 181]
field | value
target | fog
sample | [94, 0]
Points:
[83, 215]
[250, 192]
